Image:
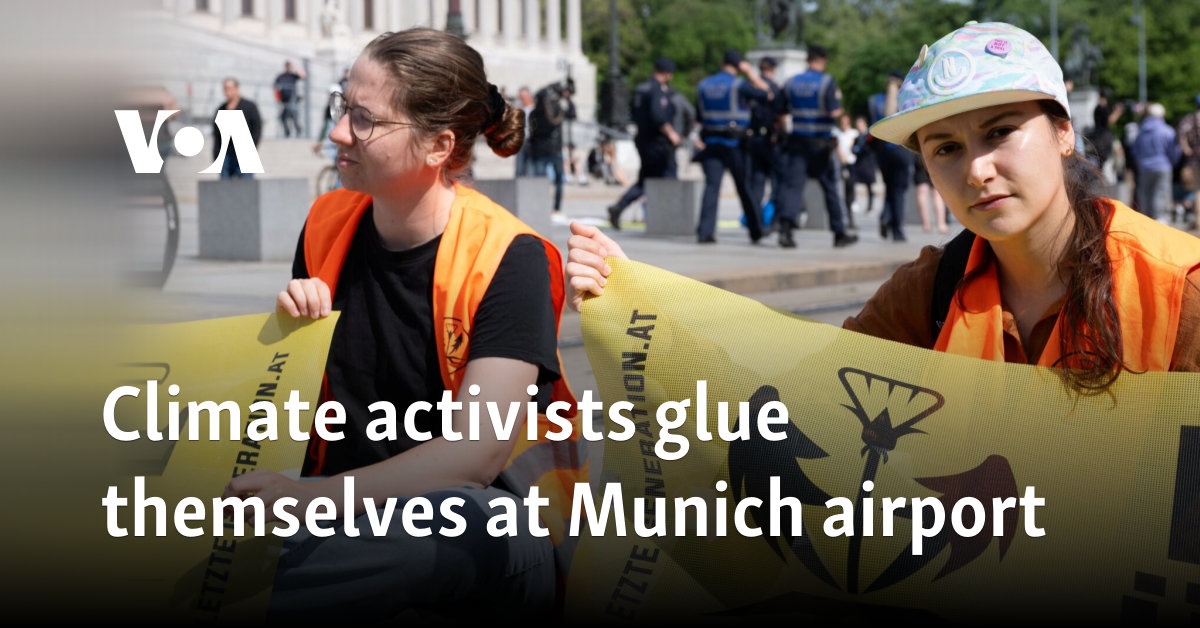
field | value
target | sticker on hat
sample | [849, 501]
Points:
[999, 47]
[949, 71]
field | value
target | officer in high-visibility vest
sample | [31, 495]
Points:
[814, 102]
[723, 108]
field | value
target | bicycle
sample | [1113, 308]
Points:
[151, 192]
[328, 179]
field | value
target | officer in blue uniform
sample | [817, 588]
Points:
[895, 162]
[723, 108]
[653, 111]
[762, 148]
[814, 103]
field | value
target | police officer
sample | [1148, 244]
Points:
[653, 112]
[763, 145]
[895, 162]
[723, 108]
[814, 102]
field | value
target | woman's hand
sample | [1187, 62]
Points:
[587, 272]
[305, 297]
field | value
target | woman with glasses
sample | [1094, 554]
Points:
[438, 289]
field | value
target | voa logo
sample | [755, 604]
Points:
[189, 141]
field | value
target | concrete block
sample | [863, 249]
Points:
[529, 198]
[814, 207]
[815, 215]
[672, 206]
[252, 219]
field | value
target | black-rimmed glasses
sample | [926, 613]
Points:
[362, 123]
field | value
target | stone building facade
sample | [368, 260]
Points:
[190, 46]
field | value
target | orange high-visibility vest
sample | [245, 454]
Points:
[1150, 263]
[477, 236]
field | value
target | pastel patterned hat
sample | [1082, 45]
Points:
[976, 66]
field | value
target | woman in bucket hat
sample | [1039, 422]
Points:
[1047, 272]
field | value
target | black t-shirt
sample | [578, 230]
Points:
[384, 349]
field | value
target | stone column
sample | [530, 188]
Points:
[230, 10]
[395, 19]
[553, 24]
[355, 19]
[487, 19]
[313, 17]
[272, 15]
[417, 14]
[532, 21]
[574, 28]
[512, 21]
[441, 8]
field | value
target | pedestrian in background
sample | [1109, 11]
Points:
[846, 136]
[895, 163]
[524, 161]
[231, 168]
[287, 92]
[551, 107]
[865, 169]
[653, 111]
[814, 103]
[1188, 136]
[929, 201]
[1155, 151]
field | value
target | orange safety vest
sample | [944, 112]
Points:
[1150, 263]
[475, 240]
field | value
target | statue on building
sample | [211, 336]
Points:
[1084, 59]
[333, 21]
[779, 23]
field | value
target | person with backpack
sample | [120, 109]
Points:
[551, 107]
[1046, 272]
[653, 111]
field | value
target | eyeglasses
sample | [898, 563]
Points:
[362, 124]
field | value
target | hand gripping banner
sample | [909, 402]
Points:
[211, 578]
[928, 486]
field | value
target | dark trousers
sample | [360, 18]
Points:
[715, 161]
[525, 163]
[810, 157]
[552, 166]
[766, 164]
[896, 168]
[289, 117]
[231, 169]
[848, 186]
[658, 162]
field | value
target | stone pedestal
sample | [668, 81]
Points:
[252, 219]
[672, 206]
[528, 198]
[814, 206]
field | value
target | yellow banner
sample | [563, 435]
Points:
[1053, 507]
[100, 561]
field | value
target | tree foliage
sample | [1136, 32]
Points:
[869, 38]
